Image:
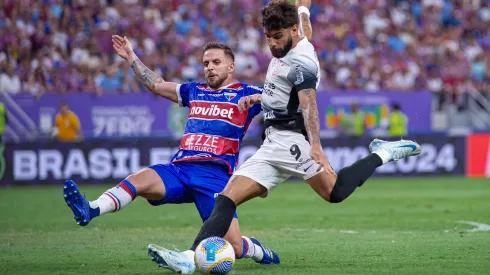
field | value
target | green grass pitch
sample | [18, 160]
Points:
[389, 226]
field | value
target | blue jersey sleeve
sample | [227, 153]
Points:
[254, 90]
[184, 92]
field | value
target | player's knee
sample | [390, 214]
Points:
[226, 193]
[230, 196]
[139, 184]
[134, 181]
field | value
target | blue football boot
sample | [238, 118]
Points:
[270, 256]
[78, 203]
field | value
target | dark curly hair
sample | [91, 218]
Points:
[216, 45]
[279, 14]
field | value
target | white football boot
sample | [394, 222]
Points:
[394, 150]
[178, 262]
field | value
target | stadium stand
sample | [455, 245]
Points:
[60, 46]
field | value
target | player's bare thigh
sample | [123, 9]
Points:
[323, 184]
[241, 189]
[148, 184]
[235, 238]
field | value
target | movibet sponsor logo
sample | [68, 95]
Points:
[214, 110]
[2, 161]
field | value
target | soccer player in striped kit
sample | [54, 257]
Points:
[208, 153]
[292, 138]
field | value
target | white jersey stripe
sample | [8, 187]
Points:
[215, 102]
[234, 139]
[214, 119]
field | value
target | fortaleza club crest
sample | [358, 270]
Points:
[230, 96]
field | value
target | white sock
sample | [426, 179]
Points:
[252, 250]
[115, 198]
[383, 154]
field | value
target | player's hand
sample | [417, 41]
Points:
[319, 157]
[247, 102]
[122, 46]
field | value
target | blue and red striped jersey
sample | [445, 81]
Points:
[215, 128]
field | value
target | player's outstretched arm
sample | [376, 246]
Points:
[248, 102]
[153, 81]
[307, 100]
[150, 79]
[305, 27]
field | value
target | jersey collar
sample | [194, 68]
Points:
[231, 85]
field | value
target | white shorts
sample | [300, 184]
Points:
[282, 155]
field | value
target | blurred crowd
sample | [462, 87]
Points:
[65, 45]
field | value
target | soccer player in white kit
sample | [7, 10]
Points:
[291, 144]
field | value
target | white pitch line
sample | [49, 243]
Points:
[478, 226]
[349, 231]
[319, 230]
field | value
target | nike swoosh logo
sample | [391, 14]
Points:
[308, 167]
[413, 147]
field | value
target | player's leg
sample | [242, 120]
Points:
[256, 177]
[233, 236]
[243, 246]
[147, 183]
[246, 247]
[206, 185]
[239, 190]
[336, 188]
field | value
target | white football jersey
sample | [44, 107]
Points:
[286, 76]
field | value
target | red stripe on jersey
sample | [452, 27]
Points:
[203, 87]
[210, 144]
[234, 86]
[224, 111]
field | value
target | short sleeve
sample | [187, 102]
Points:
[253, 90]
[303, 74]
[183, 93]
